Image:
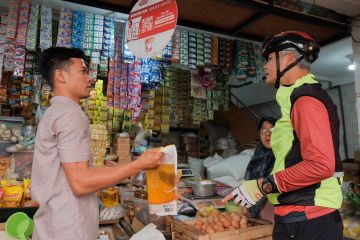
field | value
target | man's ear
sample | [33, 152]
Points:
[59, 76]
[291, 57]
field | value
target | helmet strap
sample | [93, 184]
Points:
[280, 74]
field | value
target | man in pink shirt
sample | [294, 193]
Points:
[62, 180]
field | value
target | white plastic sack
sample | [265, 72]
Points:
[149, 232]
[209, 161]
[231, 170]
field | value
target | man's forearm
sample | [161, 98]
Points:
[85, 180]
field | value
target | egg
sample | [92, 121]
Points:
[218, 227]
[199, 223]
[236, 218]
[226, 223]
[203, 228]
[235, 224]
[211, 220]
[244, 220]
[210, 230]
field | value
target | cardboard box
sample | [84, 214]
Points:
[353, 179]
[124, 159]
[351, 169]
[122, 148]
[357, 155]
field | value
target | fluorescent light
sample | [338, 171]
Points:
[351, 67]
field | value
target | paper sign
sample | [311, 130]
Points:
[150, 26]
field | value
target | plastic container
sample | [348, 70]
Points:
[19, 225]
[197, 165]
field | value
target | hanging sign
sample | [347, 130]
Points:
[150, 26]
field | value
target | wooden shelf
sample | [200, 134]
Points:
[108, 222]
[180, 129]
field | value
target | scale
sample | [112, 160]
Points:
[200, 202]
[186, 171]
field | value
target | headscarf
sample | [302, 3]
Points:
[260, 165]
[262, 162]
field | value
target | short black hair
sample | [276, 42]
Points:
[55, 58]
[271, 120]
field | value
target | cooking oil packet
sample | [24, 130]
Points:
[161, 184]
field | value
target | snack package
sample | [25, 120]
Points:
[352, 228]
[27, 202]
[161, 184]
[12, 193]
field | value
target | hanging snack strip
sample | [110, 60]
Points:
[98, 32]
[134, 89]
[65, 24]
[229, 54]
[22, 24]
[184, 47]
[207, 49]
[200, 50]
[108, 39]
[222, 53]
[120, 87]
[46, 26]
[241, 60]
[12, 19]
[78, 29]
[151, 73]
[214, 50]
[31, 38]
[3, 25]
[110, 94]
[252, 62]
[166, 53]
[89, 31]
[27, 84]
[165, 108]
[175, 54]
[118, 113]
[192, 50]
[9, 49]
[20, 56]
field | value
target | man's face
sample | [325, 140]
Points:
[78, 83]
[270, 67]
[265, 134]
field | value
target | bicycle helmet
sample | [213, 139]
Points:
[300, 41]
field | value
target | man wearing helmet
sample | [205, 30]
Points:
[305, 184]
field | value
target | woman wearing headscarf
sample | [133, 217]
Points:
[262, 162]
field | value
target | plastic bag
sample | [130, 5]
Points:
[352, 227]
